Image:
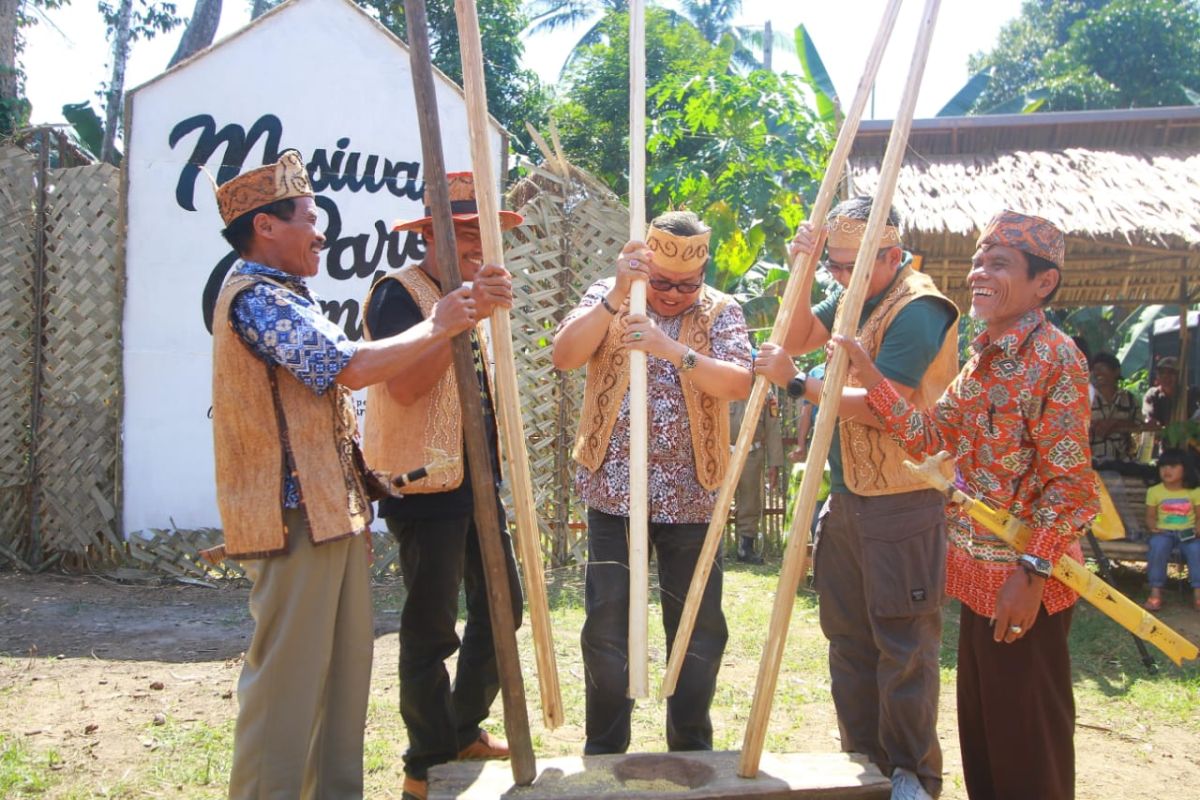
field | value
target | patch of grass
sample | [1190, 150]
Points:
[192, 756]
[23, 772]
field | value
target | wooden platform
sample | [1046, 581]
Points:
[658, 776]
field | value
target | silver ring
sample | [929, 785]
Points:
[1015, 629]
[637, 335]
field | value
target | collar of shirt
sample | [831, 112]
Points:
[1010, 342]
[296, 284]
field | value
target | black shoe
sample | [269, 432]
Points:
[749, 558]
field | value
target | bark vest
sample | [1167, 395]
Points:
[266, 422]
[872, 463]
[397, 437]
[608, 381]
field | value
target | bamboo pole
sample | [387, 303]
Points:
[487, 521]
[1180, 412]
[801, 266]
[512, 426]
[846, 324]
[639, 427]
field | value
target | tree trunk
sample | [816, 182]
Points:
[768, 45]
[200, 30]
[9, 85]
[116, 87]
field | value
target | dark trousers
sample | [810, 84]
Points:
[1016, 710]
[605, 636]
[880, 568]
[436, 556]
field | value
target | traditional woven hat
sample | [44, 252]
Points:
[463, 206]
[846, 232]
[287, 177]
[681, 254]
[1026, 233]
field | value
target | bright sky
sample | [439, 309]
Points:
[66, 61]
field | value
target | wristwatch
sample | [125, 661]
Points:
[1038, 566]
[795, 387]
[688, 362]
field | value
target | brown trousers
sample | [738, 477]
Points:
[1016, 710]
[880, 569]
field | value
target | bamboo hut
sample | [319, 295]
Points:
[1124, 185]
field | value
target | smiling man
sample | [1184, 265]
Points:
[409, 418]
[879, 564]
[292, 496]
[1016, 419]
[698, 359]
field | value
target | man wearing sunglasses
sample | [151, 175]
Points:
[880, 560]
[698, 359]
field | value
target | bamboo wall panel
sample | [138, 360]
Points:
[16, 341]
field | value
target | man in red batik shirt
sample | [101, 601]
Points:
[1016, 419]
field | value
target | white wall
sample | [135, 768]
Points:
[324, 79]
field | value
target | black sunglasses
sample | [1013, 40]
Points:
[663, 285]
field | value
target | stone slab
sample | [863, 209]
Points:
[666, 776]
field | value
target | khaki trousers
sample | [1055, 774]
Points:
[748, 496]
[304, 687]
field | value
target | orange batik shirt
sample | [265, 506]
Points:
[1016, 420]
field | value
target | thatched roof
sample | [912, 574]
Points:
[1124, 185]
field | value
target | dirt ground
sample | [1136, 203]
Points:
[92, 665]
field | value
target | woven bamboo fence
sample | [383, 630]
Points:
[574, 228]
[60, 302]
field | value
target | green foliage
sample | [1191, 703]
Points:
[961, 103]
[14, 114]
[1096, 54]
[515, 95]
[818, 77]
[21, 771]
[593, 118]
[743, 152]
[89, 128]
[146, 21]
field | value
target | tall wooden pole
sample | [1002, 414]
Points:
[479, 459]
[801, 266]
[639, 427]
[846, 324]
[512, 427]
[1180, 412]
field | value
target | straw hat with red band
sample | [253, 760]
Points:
[463, 206]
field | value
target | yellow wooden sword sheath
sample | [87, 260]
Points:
[1126, 613]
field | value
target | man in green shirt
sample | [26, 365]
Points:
[879, 564]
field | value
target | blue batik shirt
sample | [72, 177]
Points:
[286, 327]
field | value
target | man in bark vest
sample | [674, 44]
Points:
[292, 492]
[408, 419]
[1016, 420]
[698, 358]
[879, 564]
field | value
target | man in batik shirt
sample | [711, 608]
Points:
[1016, 419]
[292, 494]
[698, 358]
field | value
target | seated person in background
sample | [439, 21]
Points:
[1159, 402]
[1115, 413]
[1171, 518]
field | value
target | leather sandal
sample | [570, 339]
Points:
[415, 789]
[484, 748]
[1153, 603]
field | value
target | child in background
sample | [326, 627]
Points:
[1171, 518]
